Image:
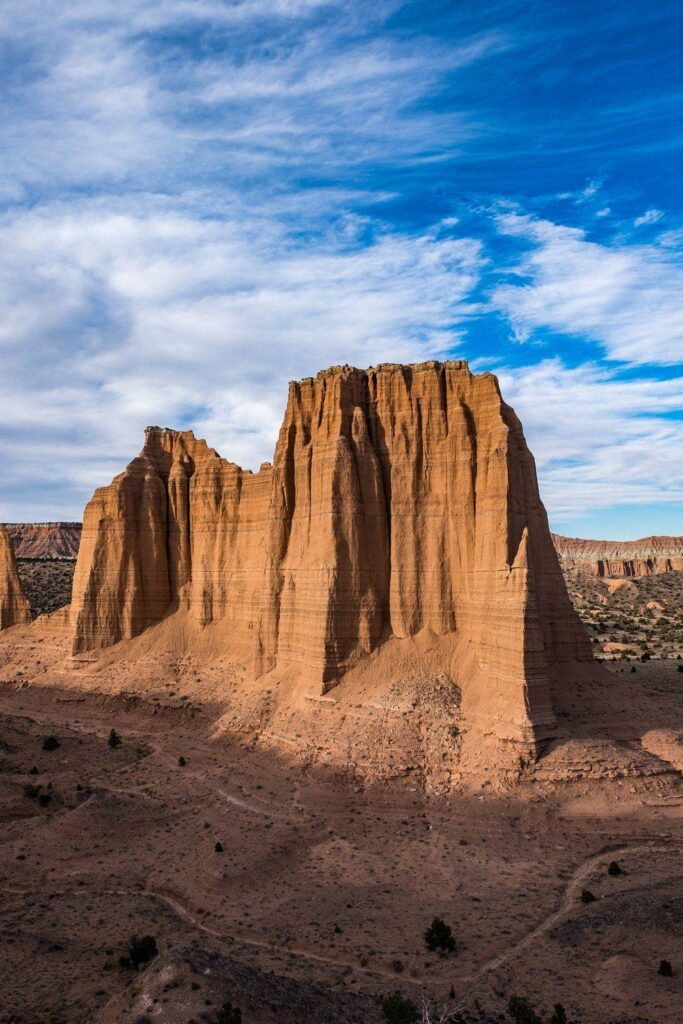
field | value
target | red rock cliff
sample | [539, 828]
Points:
[44, 540]
[400, 499]
[646, 557]
[14, 607]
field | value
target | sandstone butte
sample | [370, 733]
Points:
[14, 607]
[646, 557]
[402, 502]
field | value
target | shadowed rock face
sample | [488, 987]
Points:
[646, 557]
[401, 499]
[14, 607]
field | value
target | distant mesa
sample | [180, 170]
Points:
[646, 557]
[402, 502]
[44, 540]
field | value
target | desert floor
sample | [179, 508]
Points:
[317, 904]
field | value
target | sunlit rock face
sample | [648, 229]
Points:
[401, 499]
[14, 607]
[648, 556]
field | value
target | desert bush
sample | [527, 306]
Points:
[229, 1014]
[140, 951]
[50, 743]
[218, 847]
[114, 739]
[521, 1011]
[614, 869]
[587, 896]
[665, 969]
[559, 1015]
[31, 791]
[439, 936]
[397, 1009]
[181, 761]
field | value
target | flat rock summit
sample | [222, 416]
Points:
[401, 508]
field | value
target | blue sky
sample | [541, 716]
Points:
[202, 199]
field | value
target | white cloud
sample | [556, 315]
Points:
[257, 88]
[649, 217]
[599, 439]
[158, 316]
[624, 297]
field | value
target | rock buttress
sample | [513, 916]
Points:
[400, 499]
[14, 606]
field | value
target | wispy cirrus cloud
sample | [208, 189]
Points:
[624, 297]
[608, 439]
[649, 217]
[202, 198]
[160, 95]
[151, 315]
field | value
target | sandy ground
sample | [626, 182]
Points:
[318, 902]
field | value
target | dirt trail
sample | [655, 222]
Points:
[568, 904]
[569, 901]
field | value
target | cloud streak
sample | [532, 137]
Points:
[155, 316]
[624, 297]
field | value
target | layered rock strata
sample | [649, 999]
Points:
[646, 557]
[14, 607]
[401, 499]
[44, 540]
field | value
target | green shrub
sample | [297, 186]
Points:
[439, 936]
[229, 1014]
[521, 1011]
[141, 951]
[397, 1009]
[559, 1015]
[114, 739]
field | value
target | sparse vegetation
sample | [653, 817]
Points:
[587, 896]
[521, 1011]
[559, 1015]
[439, 937]
[614, 869]
[397, 1009]
[140, 951]
[50, 743]
[114, 739]
[229, 1014]
[218, 847]
[665, 969]
[181, 761]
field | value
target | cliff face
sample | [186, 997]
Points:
[44, 540]
[14, 608]
[646, 557]
[401, 499]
